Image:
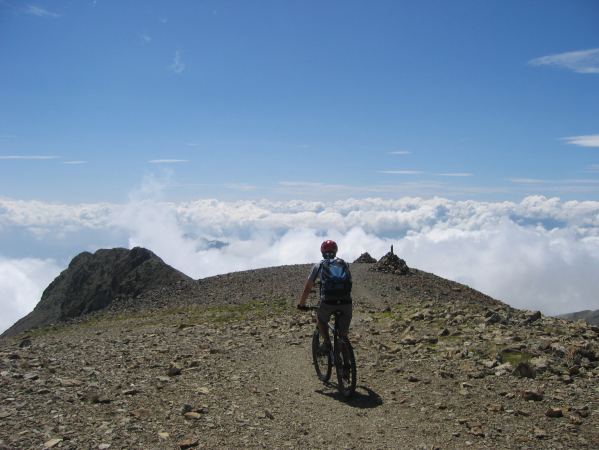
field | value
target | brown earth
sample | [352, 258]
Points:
[226, 363]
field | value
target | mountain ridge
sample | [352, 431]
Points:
[225, 362]
[590, 316]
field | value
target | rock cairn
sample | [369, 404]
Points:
[365, 258]
[391, 263]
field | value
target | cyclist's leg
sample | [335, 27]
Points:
[322, 320]
[344, 320]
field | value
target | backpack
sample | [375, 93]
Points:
[335, 281]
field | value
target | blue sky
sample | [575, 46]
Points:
[466, 133]
[254, 94]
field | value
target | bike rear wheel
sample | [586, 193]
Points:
[322, 360]
[345, 366]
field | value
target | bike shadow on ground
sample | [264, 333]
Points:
[363, 398]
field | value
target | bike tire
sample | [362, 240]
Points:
[322, 362]
[345, 366]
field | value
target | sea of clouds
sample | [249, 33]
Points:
[539, 253]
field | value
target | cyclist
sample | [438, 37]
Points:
[335, 292]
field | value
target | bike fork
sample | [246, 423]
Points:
[334, 348]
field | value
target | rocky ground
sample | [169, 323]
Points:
[227, 364]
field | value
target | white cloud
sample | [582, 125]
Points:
[178, 66]
[75, 162]
[581, 61]
[400, 152]
[28, 157]
[402, 172]
[40, 12]
[591, 140]
[22, 282]
[538, 253]
[167, 161]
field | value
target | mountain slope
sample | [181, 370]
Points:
[93, 281]
[591, 317]
[227, 364]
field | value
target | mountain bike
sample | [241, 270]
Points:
[341, 355]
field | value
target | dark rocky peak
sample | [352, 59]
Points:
[92, 282]
[365, 258]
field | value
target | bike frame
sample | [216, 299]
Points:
[337, 338]
[336, 356]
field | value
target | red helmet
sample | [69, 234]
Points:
[328, 247]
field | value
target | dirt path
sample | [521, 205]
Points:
[318, 413]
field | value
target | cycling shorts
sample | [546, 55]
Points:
[326, 311]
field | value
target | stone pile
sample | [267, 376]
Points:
[391, 263]
[365, 258]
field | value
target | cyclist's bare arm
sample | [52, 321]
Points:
[307, 288]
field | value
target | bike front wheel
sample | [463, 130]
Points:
[345, 366]
[322, 360]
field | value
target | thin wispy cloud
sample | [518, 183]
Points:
[593, 168]
[28, 157]
[581, 61]
[563, 185]
[145, 39]
[167, 161]
[582, 181]
[315, 187]
[590, 140]
[241, 186]
[314, 184]
[38, 11]
[74, 163]
[456, 174]
[400, 152]
[193, 144]
[402, 172]
[526, 181]
[178, 66]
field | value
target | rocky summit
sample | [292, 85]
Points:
[365, 258]
[93, 281]
[391, 263]
[225, 362]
